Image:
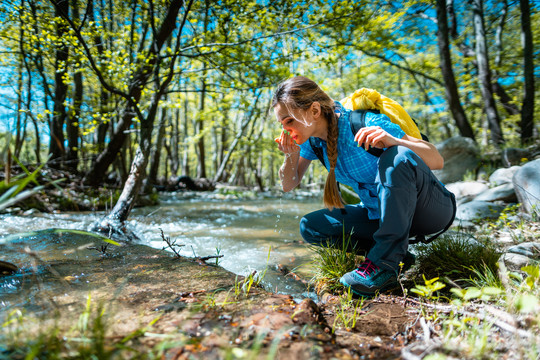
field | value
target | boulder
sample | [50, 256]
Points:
[503, 192]
[521, 255]
[515, 261]
[503, 176]
[477, 210]
[515, 156]
[530, 249]
[467, 189]
[460, 155]
[527, 186]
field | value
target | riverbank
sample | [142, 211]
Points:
[135, 301]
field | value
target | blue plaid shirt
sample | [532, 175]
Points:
[355, 167]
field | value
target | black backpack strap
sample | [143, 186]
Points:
[424, 136]
[358, 121]
[317, 150]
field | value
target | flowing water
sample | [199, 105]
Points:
[252, 233]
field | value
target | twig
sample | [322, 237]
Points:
[500, 324]
[425, 329]
[496, 322]
[171, 244]
[204, 258]
[443, 308]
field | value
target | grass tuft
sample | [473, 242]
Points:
[456, 256]
[331, 263]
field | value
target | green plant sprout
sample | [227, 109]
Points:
[429, 288]
[343, 311]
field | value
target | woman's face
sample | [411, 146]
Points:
[299, 123]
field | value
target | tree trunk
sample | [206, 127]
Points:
[131, 189]
[527, 109]
[156, 151]
[56, 144]
[19, 138]
[175, 136]
[450, 86]
[484, 73]
[201, 168]
[506, 100]
[73, 123]
[185, 157]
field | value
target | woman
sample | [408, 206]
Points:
[400, 196]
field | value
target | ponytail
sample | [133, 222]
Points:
[332, 197]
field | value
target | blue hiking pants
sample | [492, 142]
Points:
[411, 202]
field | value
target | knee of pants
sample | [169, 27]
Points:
[395, 155]
[396, 162]
[309, 233]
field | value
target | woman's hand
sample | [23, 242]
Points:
[376, 137]
[286, 144]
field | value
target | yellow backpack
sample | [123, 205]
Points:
[369, 99]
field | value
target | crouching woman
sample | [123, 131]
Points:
[400, 196]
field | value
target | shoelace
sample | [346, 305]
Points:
[366, 268]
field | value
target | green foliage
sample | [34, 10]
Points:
[429, 288]
[239, 50]
[88, 338]
[252, 279]
[347, 311]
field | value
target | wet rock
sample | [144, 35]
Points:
[503, 192]
[7, 268]
[460, 155]
[503, 176]
[476, 210]
[527, 185]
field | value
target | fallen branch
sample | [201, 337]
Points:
[205, 258]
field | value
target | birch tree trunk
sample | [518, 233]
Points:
[484, 74]
[156, 151]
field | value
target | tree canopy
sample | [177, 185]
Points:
[188, 84]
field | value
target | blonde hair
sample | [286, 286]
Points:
[299, 93]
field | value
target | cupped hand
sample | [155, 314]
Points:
[286, 143]
[376, 137]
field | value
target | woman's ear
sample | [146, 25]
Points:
[316, 109]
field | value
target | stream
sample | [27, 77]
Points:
[255, 232]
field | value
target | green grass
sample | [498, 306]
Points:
[331, 263]
[456, 256]
[26, 337]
